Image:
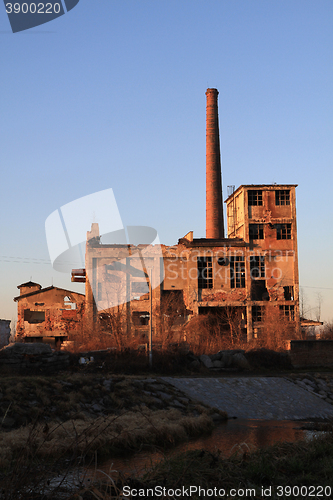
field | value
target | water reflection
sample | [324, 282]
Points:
[227, 438]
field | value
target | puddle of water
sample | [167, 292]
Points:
[228, 438]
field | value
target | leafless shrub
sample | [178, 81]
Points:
[327, 333]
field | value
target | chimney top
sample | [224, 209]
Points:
[214, 91]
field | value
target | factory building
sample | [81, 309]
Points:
[239, 279]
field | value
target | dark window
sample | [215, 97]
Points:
[288, 292]
[237, 272]
[257, 313]
[259, 290]
[282, 197]
[255, 198]
[283, 231]
[256, 231]
[257, 266]
[34, 316]
[205, 272]
[140, 318]
[288, 312]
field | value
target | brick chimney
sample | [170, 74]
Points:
[214, 207]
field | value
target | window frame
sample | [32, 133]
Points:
[282, 197]
[283, 231]
[255, 198]
[257, 230]
[257, 264]
[205, 263]
[288, 311]
[237, 271]
[257, 314]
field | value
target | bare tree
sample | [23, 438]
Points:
[170, 316]
[319, 304]
[302, 303]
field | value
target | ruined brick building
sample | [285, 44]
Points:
[240, 277]
[49, 314]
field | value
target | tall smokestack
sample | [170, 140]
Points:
[214, 207]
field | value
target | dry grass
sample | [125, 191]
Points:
[55, 435]
[83, 436]
[307, 464]
[206, 334]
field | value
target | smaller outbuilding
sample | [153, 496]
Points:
[4, 332]
[50, 314]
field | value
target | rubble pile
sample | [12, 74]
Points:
[318, 384]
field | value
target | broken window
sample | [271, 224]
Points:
[140, 318]
[257, 313]
[140, 287]
[288, 292]
[283, 231]
[256, 231]
[282, 197]
[205, 272]
[257, 266]
[259, 290]
[68, 303]
[237, 272]
[140, 290]
[288, 312]
[254, 198]
[34, 316]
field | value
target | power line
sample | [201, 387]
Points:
[319, 287]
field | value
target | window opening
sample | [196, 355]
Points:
[69, 304]
[288, 312]
[256, 231]
[254, 198]
[282, 197]
[140, 318]
[237, 272]
[140, 287]
[205, 272]
[257, 313]
[34, 316]
[283, 231]
[288, 292]
[257, 266]
[259, 290]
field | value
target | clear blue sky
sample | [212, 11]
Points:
[112, 94]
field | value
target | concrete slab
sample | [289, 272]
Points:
[269, 398]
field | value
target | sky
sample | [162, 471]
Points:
[112, 95]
